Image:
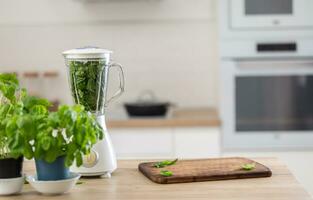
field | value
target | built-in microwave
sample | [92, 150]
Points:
[271, 14]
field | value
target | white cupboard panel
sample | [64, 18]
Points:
[142, 143]
[201, 142]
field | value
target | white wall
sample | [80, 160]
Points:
[169, 46]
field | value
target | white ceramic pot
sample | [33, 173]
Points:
[10, 186]
[53, 187]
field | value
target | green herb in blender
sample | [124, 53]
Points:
[86, 79]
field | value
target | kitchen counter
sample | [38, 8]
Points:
[128, 183]
[178, 118]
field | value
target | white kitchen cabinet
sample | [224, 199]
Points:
[200, 142]
[147, 143]
[142, 142]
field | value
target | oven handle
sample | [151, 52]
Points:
[289, 60]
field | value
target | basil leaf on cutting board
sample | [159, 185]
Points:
[165, 163]
[248, 166]
[166, 173]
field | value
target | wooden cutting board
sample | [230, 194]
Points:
[205, 170]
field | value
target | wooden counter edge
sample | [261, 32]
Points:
[155, 123]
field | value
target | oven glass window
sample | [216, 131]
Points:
[272, 103]
[268, 7]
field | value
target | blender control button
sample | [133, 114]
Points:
[91, 159]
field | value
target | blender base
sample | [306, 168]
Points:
[106, 175]
[101, 161]
[97, 174]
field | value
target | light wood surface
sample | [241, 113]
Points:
[128, 183]
[179, 118]
[199, 170]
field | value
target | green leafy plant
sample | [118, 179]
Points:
[28, 129]
[20, 124]
[86, 83]
[17, 118]
[69, 132]
[10, 105]
[248, 166]
[165, 163]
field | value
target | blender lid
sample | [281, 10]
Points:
[87, 52]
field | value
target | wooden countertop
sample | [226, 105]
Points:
[179, 118]
[128, 183]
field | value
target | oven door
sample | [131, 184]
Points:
[267, 104]
[271, 13]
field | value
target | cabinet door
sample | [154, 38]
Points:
[199, 142]
[140, 143]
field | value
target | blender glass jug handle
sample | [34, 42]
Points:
[121, 81]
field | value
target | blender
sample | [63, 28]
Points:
[88, 71]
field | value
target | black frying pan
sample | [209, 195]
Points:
[147, 105]
[146, 109]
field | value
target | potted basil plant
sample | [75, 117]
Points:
[18, 116]
[54, 139]
[10, 161]
[63, 137]
[13, 131]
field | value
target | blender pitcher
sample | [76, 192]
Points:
[88, 71]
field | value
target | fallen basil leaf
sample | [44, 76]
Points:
[165, 163]
[248, 166]
[166, 173]
[79, 182]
